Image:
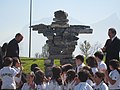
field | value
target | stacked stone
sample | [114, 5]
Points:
[62, 39]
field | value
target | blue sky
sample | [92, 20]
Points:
[14, 17]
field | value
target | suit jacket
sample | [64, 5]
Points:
[112, 49]
[13, 49]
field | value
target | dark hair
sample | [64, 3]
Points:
[70, 75]
[100, 74]
[56, 71]
[33, 67]
[115, 64]
[39, 77]
[4, 47]
[80, 57]
[7, 61]
[15, 60]
[91, 61]
[112, 30]
[36, 69]
[66, 67]
[88, 68]
[18, 34]
[83, 75]
[99, 54]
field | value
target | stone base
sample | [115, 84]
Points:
[49, 65]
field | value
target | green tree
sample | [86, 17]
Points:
[85, 48]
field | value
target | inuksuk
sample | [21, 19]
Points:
[62, 38]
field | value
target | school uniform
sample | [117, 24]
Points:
[70, 85]
[94, 70]
[43, 86]
[79, 67]
[90, 82]
[53, 85]
[83, 86]
[102, 66]
[26, 86]
[17, 79]
[7, 74]
[101, 86]
[114, 75]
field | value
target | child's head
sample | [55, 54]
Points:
[83, 75]
[66, 67]
[89, 70]
[79, 59]
[30, 77]
[99, 55]
[16, 62]
[39, 77]
[56, 71]
[114, 64]
[91, 61]
[8, 61]
[70, 75]
[98, 77]
[36, 69]
[33, 66]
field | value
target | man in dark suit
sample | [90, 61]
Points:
[13, 47]
[111, 47]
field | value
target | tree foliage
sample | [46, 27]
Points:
[87, 49]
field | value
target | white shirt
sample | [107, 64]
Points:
[83, 86]
[7, 74]
[53, 85]
[26, 86]
[70, 85]
[44, 86]
[80, 66]
[114, 75]
[90, 82]
[94, 70]
[101, 86]
[113, 38]
[102, 66]
[17, 79]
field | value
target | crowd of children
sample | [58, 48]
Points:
[92, 75]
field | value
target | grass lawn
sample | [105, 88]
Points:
[27, 62]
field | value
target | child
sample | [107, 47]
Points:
[17, 67]
[40, 80]
[83, 76]
[30, 84]
[33, 66]
[90, 79]
[64, 69]
[114, 76]
[79, 60]
[56, 82]
[7, 74]
[99, 57]
[92, 62]
[70, 80]
[99, 81]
